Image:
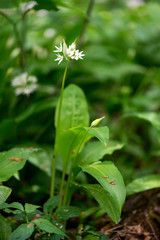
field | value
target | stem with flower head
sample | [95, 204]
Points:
[57, 133]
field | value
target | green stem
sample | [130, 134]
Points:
[57, 134]
[65, 170]
[70, 178]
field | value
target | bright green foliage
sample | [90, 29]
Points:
[143, 183]
[24, 231]
[47, 226]
[112, 182]
[95, 151]
[4, 193]
[68, 212]
[15, 205]
[30, 207]
[74, 109]
[12, 161]
[5, 229]
[74, 137]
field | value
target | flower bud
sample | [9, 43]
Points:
[97, 122]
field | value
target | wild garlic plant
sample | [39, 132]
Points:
[67, 53]
[72, 133]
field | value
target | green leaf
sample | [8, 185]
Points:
[150, 117]
[51, 203]
[102, 133]
[112, 182]
[5, 229]
[74, 108]
[11, 161]
[90, 236]
[143, 184]
[67, 212]
[74, 138]
[24, 231]
[41, 160]
[4, 193]
[15, 205]
[30, 207]
[94, 151]
[47, 226]
[105, 200]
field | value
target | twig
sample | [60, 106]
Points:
[151, 227]
[112, 229]
[20, 42]
[85, 23]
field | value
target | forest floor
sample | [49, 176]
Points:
[140, 218]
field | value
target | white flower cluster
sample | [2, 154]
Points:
[24, 84]
[68, 52]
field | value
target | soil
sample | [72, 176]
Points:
[140, 218]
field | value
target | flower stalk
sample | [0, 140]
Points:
[67, 53]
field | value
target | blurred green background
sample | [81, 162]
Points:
[120, 75]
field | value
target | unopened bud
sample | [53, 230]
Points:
[97, 122]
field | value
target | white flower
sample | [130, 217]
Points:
[78, 55]
[135, 3]
[58, 49]
[72, 47]
[49, 33]
[68, 52]
[59, 58]
[24, 84]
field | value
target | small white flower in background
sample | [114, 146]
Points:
[68, 52]
[24, 84]
[49, 33]
[135, 3]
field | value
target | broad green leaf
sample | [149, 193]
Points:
[95, 151]
[4, 193]
[75, 139]
[151, 117]
[24, 231]
[74, 108]
[102, 133]
[13, 160]
[143, 184]
[67, 212]
[5, 229]
[30, 207]
[105, 200]
[47, 226]
[109, 177]
[51, 203]
[15, 205]
[42, 160]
